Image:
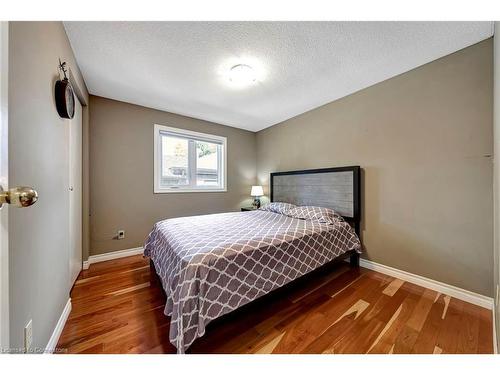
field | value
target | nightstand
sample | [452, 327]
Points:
[248, 209]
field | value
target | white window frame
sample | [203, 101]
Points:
[191, 134]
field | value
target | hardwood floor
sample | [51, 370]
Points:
[116, 310]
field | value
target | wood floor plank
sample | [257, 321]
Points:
[422, 309]
[437, 350]
[343, 310]
[393, 287]
[485, 339]
[469, 330]
[366, 334]
[370, 327]
[427, 338]
[384, 344]
[339, 335]
[450, 329]
[305, 328]
[315, 284]
[386, 328]
[325, 342]
[269, 347]
[405, 340]
[256, 343]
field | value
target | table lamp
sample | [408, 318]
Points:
[256, 193]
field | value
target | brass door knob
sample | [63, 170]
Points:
[21, 196]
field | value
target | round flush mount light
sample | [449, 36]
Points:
[242, 75]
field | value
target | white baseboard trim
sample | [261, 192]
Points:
[450, 290]
[52, 344]
[112, 255]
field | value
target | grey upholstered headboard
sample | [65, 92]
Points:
[336, 188]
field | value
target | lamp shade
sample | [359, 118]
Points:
[257, 191]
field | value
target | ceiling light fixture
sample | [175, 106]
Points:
[242, 75]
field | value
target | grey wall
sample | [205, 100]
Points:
[121, 173]
[424, 140]
[38, 157]
[496, 171]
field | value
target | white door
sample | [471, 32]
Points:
[75, 193]
[4, 211]
[18, 196]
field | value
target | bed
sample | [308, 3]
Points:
[211, 265]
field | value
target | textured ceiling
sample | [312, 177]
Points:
[181, 67]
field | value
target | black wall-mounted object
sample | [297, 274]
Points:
[63, 92]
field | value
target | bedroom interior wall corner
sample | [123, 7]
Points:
[424, 141]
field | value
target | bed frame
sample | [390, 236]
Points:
[336, 188]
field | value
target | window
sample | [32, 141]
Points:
[186, 161]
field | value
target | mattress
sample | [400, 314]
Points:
[212, 264]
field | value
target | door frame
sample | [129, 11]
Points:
[72, 184]
[4, 239]
[79, 95]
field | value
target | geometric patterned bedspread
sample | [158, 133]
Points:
[210, 265]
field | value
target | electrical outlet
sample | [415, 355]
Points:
[121, 234]
[28, 337]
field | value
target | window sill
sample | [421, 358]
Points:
[168, 191]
